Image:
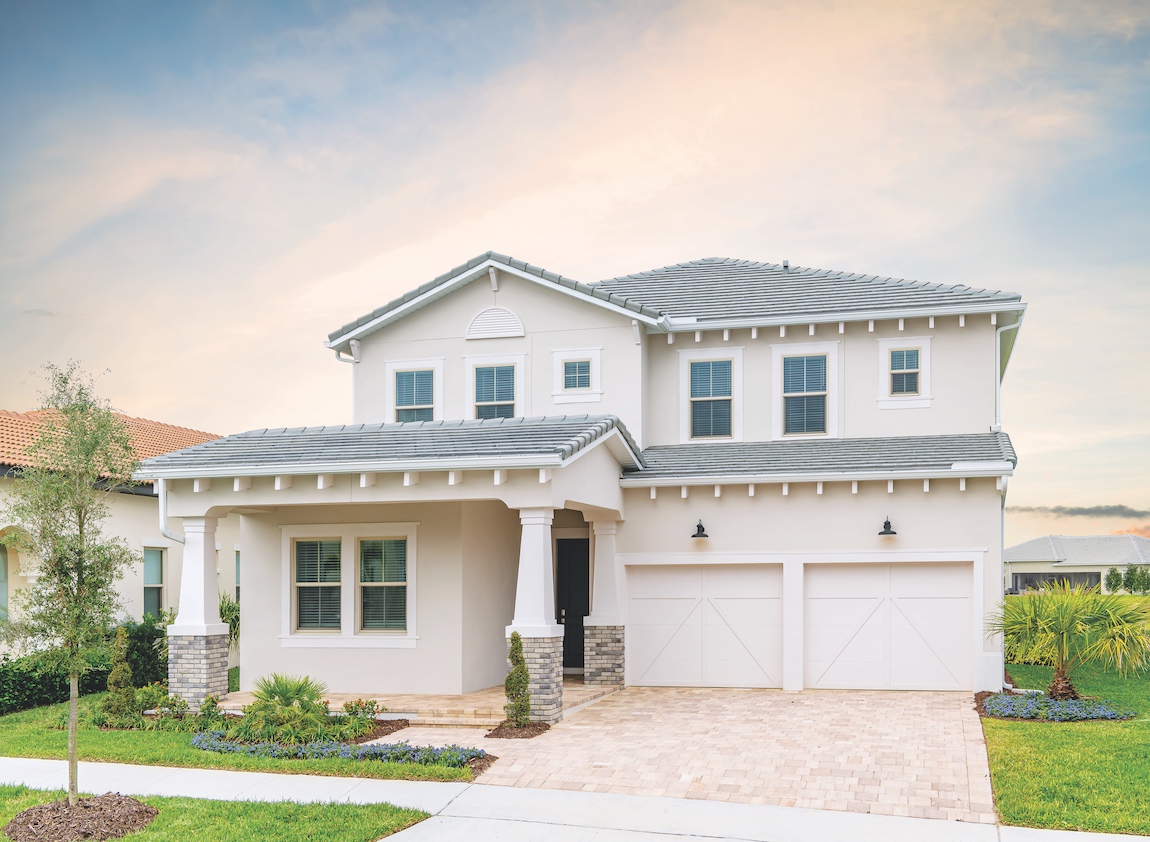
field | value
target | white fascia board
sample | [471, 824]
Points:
[683, 325]
[473, 274]
[550, 460]
[825, 476]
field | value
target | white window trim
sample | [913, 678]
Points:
[164, 546]
[347, 637]
[700, 355]
[389, 370]
[565, 355]
[924, 397]
[833, 351]
[472, 362]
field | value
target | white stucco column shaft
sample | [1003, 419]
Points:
[535, 585]
[199, 609]
[794, 597]
[606, 598]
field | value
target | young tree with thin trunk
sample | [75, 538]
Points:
[82, 455]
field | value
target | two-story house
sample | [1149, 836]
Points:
[721, 473]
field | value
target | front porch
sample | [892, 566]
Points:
[480, 709]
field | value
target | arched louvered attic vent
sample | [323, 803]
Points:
[494, 322]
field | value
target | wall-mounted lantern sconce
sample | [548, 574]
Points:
[886, 530]
[701, 533]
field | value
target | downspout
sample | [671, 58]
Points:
[354, 352]
[162, 490]
[998, 372]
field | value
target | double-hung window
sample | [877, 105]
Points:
[904, 371]
[153, 581]
[711, 399]
[495, 391]
[576, 375]
[415, 395]
[383, 584]
[805, 394]
[317, 584]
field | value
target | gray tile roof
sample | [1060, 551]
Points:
[728, 290]
[469, 266]
[1089, 550]
[721, 288]
[493, 442]
[811, 457]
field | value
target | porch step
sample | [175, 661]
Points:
[453, 721]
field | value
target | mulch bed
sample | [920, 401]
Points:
[981, 697]
[104, 817]
[506, 731]
[382, 728]
[479, 765]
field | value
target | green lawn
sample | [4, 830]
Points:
[181, 819]
[28, 734]
[1075, 775]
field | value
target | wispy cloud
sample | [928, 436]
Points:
[1142, 531]
[1083, 511]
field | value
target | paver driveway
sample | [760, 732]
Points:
[894, 753]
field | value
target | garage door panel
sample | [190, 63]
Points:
[918, 636]
[684, 581]
[662, 611]
[731, 637]
[848, 580]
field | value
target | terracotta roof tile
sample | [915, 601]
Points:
[149, 438]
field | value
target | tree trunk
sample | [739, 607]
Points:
[73, 724]
[1060, 686]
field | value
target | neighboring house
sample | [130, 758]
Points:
[150, 587]
[1077, 559]
[720, 473]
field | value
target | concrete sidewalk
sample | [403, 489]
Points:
[478, 813]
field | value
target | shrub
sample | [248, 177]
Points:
[121, 698]
[291, 710]
[1113, 580]
[1137, 579]
[1038, 707]
[230, 614]
[363, 709]
[518, 707]
[451, 756]
[24, 684]
[147, 649]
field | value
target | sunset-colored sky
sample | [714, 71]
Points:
[192, 195]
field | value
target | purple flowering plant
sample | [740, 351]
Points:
[1043, 708]
[452, 756]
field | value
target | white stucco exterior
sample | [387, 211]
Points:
[780, 549]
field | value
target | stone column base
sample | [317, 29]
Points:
[603, 655]
[197, 666]
[544, 657]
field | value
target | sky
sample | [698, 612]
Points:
[192, 195]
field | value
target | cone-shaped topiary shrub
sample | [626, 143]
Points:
[518, 707]
[121, 698]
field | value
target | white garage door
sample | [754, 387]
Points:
[889, 626]
[705, 626]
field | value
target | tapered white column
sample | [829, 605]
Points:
[199, 608]
[607, 595]
[535, 586]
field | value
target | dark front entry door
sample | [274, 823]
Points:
[573, 595]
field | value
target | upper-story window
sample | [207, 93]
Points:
[805, 394]
[711, 399]
[415, 395]
[576, 375]
[904, 371]
[495, 391]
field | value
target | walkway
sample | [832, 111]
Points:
[475, 813]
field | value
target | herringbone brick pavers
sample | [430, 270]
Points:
[892, 753]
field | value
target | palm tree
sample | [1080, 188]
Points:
[1068, 626]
